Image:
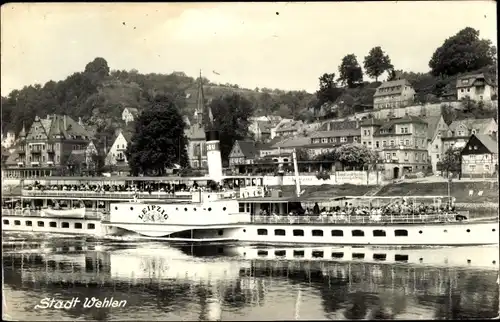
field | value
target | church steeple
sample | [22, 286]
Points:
[22, 134]
[203, 112]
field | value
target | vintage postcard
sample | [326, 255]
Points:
[249, 161]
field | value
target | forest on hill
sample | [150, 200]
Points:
[98, 94]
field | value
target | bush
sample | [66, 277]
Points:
[323, 176]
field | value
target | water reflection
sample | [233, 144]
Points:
[235, 283]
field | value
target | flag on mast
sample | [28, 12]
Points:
[213, 71]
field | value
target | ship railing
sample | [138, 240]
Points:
[93, 214]
[106, 195]
[362, 219]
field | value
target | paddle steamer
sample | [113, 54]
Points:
[242, 209]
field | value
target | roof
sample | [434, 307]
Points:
[391, 87]
[247, 148]
[488, 141]
[293, 142]
[265, 126]
[289, 126]
[134, 111]
[338, 133]
[338, 125]
[389, 124]
[64, 125]
[471, 80]
[371, 122]
[432, 122]
[269, 145]
[478, 124]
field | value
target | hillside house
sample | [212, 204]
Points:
[480, 156]
[277, 125]
[129, 114]
[242, 152]
[401, 142]
[286, 129]
[9, 139]
[459, 132]
[44, 149]
[115, 158]
[475, 87]
[261, 130]
[436, 127]
[325, 141]
[393, 94]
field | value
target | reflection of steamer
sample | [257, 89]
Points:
[485, 257]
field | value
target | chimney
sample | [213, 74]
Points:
[64, 122]
[80, 121]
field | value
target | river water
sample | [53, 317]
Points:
[154, 281]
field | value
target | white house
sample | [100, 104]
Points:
[436, 128]
[129, 114]
[393, 94]
[9, 139]
[116, 154]
[475, 87]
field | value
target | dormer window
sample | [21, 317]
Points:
[465, 81]
[473, 131]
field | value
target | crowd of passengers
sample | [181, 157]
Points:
[167, 188]
[398, 208]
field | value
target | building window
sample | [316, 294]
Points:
[279, 232]
[407, 142]
[416, 156]
[472, 167]
[406, 156]
[384, 143]
[437, 156]
[355, 139]
[487, 167]
[392, 142]
[343, 139]
[376, 144]
[387, 156]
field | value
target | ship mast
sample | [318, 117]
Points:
[296, 173]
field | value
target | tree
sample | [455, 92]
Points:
[377, 62]
[231, 115]
[328, 91]
[462, 53]
[159, 141]
[451, 161]
[350, 71]
[302, 154]
[356, 156]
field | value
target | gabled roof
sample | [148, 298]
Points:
[471, 79]
[338, 133]
[488, 141]
[65, 126]
[432, 123]
[247, 148]
[132, 110]
[293, 142]
[470, 124]
[391, 87]
[289, 126]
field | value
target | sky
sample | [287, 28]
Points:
[275, 45]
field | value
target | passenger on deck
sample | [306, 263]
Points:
[316, 209]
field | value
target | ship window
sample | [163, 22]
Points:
[400, 258]
[279, 232]
[358, 255]
[29, 223]
[185, 209]
[194, 209]
[468, 230]
[53, 224]
[224, 209]
[379, 257]
[131, 208]
[209, 209]
[78, 225]
[90, 226]
[337, 255]
[379, 233]
[358, 233]
[298, 232]
[317, 232]
[401, 232]
[262, 253]
[5, 222]
[65, 225]
[337, 233]
[116, 208]
[17, 222]
[41, 224]
[261, 232]
[220, 232]
[279, 252]
[317, 254]
[298, 253]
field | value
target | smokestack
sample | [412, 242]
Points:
[214, 159]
